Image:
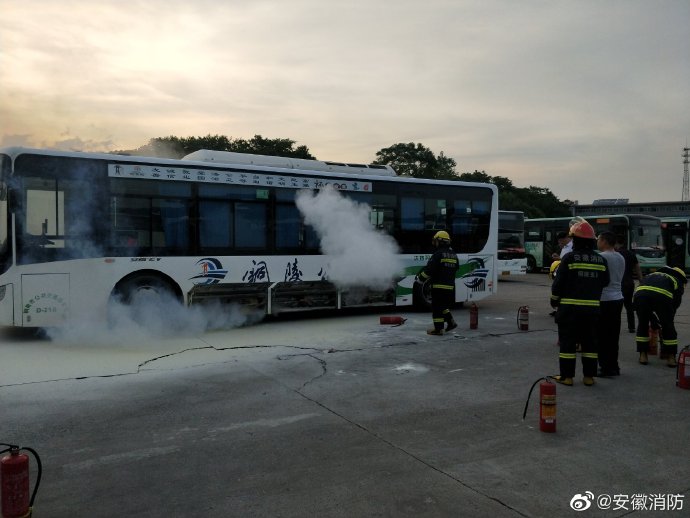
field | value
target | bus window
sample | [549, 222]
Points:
[250, 225]
[4, 229]
[44, 209]
[412, 213]
[288, 227]
[215, 224]
[170, 224]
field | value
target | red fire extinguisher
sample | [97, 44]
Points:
[547, 404]
[523, 318]
[396, 321]
[14, 482]
[474, 316]
[683, 368]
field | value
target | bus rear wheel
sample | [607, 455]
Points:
[531, 264]
[421, 296]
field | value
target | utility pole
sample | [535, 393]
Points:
[686, 175]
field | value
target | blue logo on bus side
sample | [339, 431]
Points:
[212, 271]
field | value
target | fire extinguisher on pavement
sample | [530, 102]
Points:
[683, 368]
[547, 404]
[474, 316]
[14, 482]
[523, 318]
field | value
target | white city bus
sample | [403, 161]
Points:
[511, 258]
[80, 229]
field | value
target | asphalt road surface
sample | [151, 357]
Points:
[339, 416]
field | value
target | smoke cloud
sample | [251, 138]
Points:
[358, 254]
[151, 316]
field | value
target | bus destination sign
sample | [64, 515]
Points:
[260, 179]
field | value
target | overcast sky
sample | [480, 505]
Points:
[587, 98]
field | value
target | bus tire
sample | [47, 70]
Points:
[531, 264]
[149, 288]
[421, 296]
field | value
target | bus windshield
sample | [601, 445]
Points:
[511, 232]
[645, 233]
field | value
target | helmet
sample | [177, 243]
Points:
[582, 229]
[442, 235]
[554, 266]
[681, 274]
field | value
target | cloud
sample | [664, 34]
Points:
[534, 91]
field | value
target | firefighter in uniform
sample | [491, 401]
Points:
[658, 297]
[575, 294]
[441, 270]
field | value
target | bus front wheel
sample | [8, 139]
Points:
[531, 264]
[143, 296]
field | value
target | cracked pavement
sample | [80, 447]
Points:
[338, 416]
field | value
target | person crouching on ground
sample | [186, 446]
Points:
[659, 293]
[576, 293]
[440, 271]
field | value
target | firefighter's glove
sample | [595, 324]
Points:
[555, 301]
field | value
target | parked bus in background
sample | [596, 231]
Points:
[675, 236]
[638, 232]
[511, 243]
[78, 230]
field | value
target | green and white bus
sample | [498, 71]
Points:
[511, 258]
[675, 234]
[80, 229]
[638, 232]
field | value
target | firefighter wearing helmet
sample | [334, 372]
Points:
[659, 293]
[575, 293]
[440, 270]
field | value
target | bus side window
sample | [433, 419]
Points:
[412, 213]
[131, 222]
[215, 224]
[250, 225]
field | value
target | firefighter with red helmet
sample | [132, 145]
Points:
[440, 270]
[575, 293]
[658, 296]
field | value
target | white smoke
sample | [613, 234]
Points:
[358, 254]
[151, 317]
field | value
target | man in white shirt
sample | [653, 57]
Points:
[611, 305]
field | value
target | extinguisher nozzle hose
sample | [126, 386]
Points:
[524, 414]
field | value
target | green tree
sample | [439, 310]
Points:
[535, 202]
[417, 161]
[176, 147]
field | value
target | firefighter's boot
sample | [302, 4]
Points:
[643, 358]
[588, 380]
[671, 361]
[435, 332]
[563, 380]
[452, 324]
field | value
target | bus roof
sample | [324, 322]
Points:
[370, 173]
[227, 157]
[595, 216]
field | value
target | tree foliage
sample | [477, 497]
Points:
[535, 202]
[408, 159]
[177, 147]
[417, 161]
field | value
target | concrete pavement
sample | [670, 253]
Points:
[340, 416]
